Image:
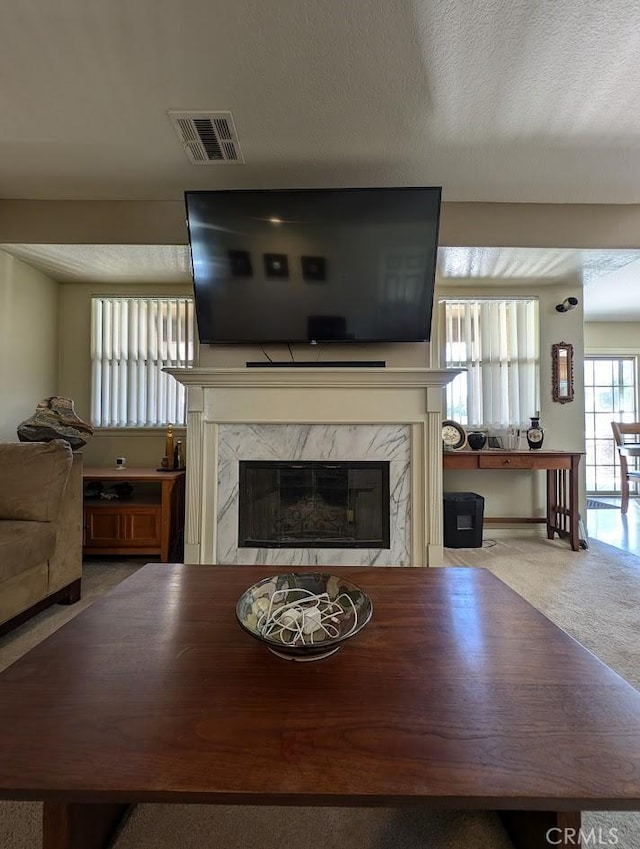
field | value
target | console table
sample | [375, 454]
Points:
[562, 515]
[143, 524]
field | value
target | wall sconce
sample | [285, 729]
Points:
[567, 305]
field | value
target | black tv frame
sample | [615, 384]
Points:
[319, 189]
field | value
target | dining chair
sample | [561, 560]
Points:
[626, 435]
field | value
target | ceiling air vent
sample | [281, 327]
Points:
[209, 138]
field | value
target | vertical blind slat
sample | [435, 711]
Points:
[132, 339]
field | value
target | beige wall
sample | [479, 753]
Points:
[463, 224]
[141, 448]
[28, 342]
[522, 493]
[617, 337]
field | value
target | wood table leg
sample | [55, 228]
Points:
[166, 511]
[80, 825]
[543, 829]
[552, 500]
[574, 515]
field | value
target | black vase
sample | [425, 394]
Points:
[535, 433]
[476, 439]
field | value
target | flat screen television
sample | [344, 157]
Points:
[313, 265]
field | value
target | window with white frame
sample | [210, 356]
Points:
[132, 340]
[497, 341]
[610, 394]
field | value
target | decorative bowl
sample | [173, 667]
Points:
[303, 615]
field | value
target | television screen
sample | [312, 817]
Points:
[313, 265]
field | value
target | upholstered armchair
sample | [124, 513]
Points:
[40, 528]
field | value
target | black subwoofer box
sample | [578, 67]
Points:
[463, 512]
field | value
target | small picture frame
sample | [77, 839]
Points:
[276, 265]
[314, 269]
[240, 263]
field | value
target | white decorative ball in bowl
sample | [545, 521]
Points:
[304, 615]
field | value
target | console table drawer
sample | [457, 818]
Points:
[493, 461]
[451, 460]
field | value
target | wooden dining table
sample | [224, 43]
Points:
[457, 694]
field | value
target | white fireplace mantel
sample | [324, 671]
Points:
[324, 410]
[312, 377]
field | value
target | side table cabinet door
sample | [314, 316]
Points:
[142, 527]
[102, 527]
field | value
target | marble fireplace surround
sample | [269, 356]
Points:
[237, 414]
[313, 442]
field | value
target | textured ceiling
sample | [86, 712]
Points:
[495, 100]
[611, 278]
[107, 263]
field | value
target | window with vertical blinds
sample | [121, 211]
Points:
[132, 340]
[497, 341]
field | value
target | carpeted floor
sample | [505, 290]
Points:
[593, 595]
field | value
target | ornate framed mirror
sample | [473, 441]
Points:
[562, 372]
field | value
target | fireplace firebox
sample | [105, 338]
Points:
[313, 504]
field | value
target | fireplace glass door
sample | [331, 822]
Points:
[314, 504]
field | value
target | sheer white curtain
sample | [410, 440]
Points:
[132, 340]
[497, 341]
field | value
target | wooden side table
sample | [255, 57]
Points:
[561, 467]
[143, 524]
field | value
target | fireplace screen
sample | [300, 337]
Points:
[314, 505]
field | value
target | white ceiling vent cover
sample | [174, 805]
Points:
[209, 138]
